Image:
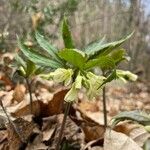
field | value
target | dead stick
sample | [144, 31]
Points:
[11, 122]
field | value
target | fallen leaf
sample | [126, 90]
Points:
[24, 128]
[19, 92]
[55, 106]
[93, 131]
[89, 106]
[23, 108]
[3, 135]
[119, 141]
[139, 135]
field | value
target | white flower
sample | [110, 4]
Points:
[60, 75]
[78, 81]
[93, 84]
[126, 75]
[72, 94]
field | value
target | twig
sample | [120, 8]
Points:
[11, 122]
[68, 105]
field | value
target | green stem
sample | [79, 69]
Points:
[104, 104]
[67, 108]
[104, 107]
[30, 94]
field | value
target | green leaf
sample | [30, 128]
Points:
[147, 144]
[39, 70]
[106, 48]
[136, 115]
[118, 55]
[94, 45]
[36, 57]
[104, 62]
[111, 77]
[66, 34]
[73, 56]
[30, 68]
[20, 60]
[47, 46]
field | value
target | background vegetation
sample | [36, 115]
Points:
[90, 20]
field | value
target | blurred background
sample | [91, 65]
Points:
[89, 20]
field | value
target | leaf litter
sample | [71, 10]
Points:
[84, 127]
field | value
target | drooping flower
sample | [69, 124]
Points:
[126, 75]
[93, 83]
[72, 94]
[60, 75]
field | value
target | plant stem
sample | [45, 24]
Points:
[104, 104]
[11, 122]
[104, 107]
[67, 108]
[30, 94]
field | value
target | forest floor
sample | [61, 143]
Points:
[84, 128]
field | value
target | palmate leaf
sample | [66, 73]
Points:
[106, 48]
[73, 56]
[37, 58]
[136, 115]
[104, 62]
[66, 34]
[50, 49]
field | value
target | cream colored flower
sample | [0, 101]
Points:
[126, 75]
[60, 75]
[72, 94]
[78, 81]
[94, 82]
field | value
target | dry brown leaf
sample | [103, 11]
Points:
[19, 92]
[3, 135]
[119, 141]
[36, 18]
[89, 106]
[71, 132]
[55, 106]
[139, 135]
[96, 148]
[23, 108]
[37, 144]
[92, 131]
[125, 127]
[6, 80]
[7, 98]
[24, 128]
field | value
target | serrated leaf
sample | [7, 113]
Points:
[106, 48]
[104, 62]
[66, 34]
[47, 46]
[74, 57]
[37, 58]
[136, 115]
[94, 45]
